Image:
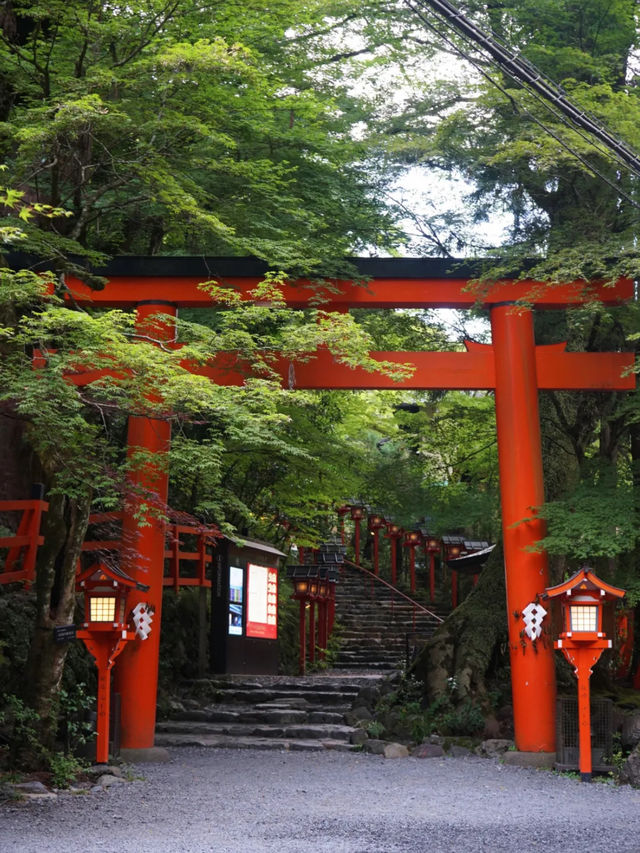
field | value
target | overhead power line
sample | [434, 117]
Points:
[523, 71]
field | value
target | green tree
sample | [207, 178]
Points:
[574, 211]
[164, 127]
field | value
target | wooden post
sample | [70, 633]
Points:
[143, 558]
[432, 577]
[312, 631]
[521, 490]
[104, 647]
[302, 636]
[376, 552]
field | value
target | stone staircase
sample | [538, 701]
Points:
[377, 628]
[266, 712]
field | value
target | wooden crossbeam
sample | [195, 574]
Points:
[125, 291]
[473, 369]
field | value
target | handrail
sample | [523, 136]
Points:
[394, 589]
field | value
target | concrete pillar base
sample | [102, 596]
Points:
[530, 759]
[150, 755]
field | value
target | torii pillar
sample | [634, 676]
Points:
[521, 490]
[143, 548]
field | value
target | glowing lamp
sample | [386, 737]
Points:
[106, 589]
[376, 522]
[583, 598]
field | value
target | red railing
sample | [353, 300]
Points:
[175, 558]
[20, 562]
[415, 604]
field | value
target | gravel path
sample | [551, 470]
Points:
[252, 801]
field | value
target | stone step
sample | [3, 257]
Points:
[307, 731]
[256, 714]
[244, 696]
[232, 742]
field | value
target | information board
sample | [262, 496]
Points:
[262, 602]
[236, 597]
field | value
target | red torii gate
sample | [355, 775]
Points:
[513, 366]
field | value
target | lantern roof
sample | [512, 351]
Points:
[102, 572]
[585, 580]
[452, 540]
[470, 562]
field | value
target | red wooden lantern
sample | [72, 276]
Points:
[432, 546]
[582, 640]
[299, 575]
[394, 533]
[453, 548]
[357, 512]
[106, 633]
[412, 538]
[375, 523]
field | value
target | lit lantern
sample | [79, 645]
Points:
[412, 538]
[375, 523]
[358, 512]
[105, 634]
[432, 546]
[299, 575]
[453, 548]
[583, 598]
[394, 533]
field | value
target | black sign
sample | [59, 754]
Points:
[64, 633]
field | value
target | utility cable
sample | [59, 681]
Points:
[535, 119]
[526, 73]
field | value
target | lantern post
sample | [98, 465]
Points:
[394, 534]
[105, 633]
[375, 523]
[432, 546]
[300, 576]
[412, 538]
[312, 598]
[453, 548]
[582, 640]
[357, 512]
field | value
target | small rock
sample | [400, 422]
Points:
[428, 750]
[494, 747]
[436, 739]
[630, 736]
[31, 787]
[358, 737]
[98, 770]
[375, 746]
[395, 750]
[630, 772]
[362, 713]
[457, 751]
[108, 780]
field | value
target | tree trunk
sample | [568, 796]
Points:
[64, 532]
[471, 643]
